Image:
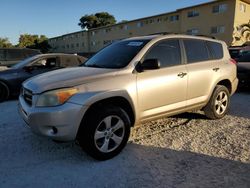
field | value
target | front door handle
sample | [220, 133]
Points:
[182, 74]
[216, 69]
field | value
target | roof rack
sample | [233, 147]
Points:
[169, 33]
[208, 36]
[163, 33]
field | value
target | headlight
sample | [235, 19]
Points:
[55, 97]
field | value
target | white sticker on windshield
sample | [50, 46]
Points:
[135, 43]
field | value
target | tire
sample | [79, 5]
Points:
[4, 92]
[105, 132]
[218, 104]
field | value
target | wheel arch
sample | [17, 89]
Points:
[116, 98]
[227, 83]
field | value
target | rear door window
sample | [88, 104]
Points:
[215, 49]
[167, 52]
[196, 50]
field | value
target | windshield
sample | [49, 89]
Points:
[116, 55]
[24, 62]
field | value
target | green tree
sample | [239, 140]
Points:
[96, 20]
[34, 42]
[4, 43]
[123, 21]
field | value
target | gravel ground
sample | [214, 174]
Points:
[187, 150]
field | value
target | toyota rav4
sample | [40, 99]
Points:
[126, 83]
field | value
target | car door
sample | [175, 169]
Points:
[202, 70]
[163, 90]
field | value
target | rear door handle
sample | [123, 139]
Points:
[182, 74]
[216, 69]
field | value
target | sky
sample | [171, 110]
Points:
[57, 17]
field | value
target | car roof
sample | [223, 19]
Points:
[165, 36]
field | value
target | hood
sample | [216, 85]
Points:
[67, 77]
[4, 71]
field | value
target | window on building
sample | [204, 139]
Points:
[243, 7]
[77, 45]
[93, 43]
[217, 29]
[125, 27]
[219, 8]
[93, 33]
[67, 45]
[159, 20]
[174, 18]
[167, 52]
[193, 13]
[72, 45]
[151, 21]
[83, 44]
[139, 24]
[196, 50]
[192, 31]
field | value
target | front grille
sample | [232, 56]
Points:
[27, 95]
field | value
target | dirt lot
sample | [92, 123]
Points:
[183, 151]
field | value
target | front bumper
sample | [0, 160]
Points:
[59, 123]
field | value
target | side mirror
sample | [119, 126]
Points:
[150, 64]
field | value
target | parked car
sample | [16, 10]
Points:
[11, 78]
[243, 69]
[11, 56]
[129, 82]
[237, 51]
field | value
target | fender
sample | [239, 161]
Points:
[87, 99]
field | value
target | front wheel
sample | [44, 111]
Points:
[105, 132]
[218, 104]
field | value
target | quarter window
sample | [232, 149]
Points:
[167, 52]
[196, 50]
[216, 49]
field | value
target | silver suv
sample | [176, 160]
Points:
[127, 83]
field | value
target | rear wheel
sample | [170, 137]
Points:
[218, 104]
[105, 132]
[4, 92]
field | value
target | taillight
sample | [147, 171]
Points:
[233, 61]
